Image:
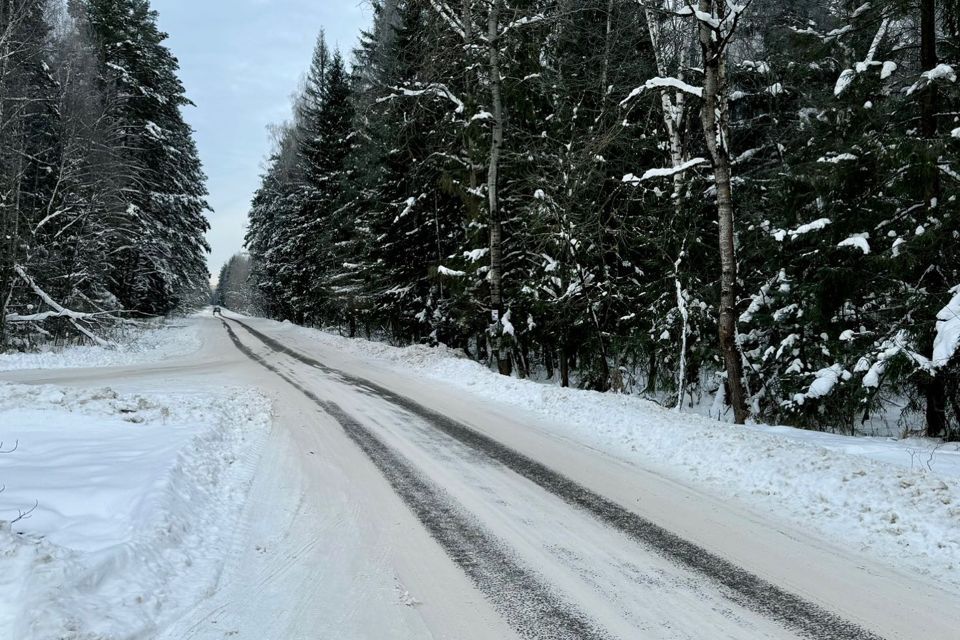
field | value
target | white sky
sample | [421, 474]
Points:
[241, 60]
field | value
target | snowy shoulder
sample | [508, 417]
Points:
[141, 345]
[130, 503]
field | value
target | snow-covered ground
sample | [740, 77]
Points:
[150, 343]
[136, 499]
[167, 509]
[894, 500]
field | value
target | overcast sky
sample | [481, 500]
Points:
[241, 60]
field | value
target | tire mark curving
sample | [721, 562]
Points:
[746, 589]
[530, 606]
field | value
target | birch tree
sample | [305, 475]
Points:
[670, 36]
[483, 21]
[717, 24]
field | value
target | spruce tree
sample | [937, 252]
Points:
[167, 203]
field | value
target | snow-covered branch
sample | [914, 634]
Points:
[436, 89]
[942, 72]
[59, 311]
[707, 18]
[449, 16]
[947, 340]
[674, 83]
[653, 83]
[450, 273]
[663, 173]
[522, 22]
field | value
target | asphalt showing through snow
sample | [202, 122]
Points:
[542, 615]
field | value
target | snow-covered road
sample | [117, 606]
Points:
[388, 506]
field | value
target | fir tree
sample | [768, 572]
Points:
[168, 202]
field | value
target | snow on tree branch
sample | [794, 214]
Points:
[652, 83]
[825, 380]
[702, 16]
[409, 204]
[847, 75]
[522, 22]
[449, 16]
[858, 241]
[947, 340]
[436, 89]
[898, 345]
[75, 317]
[450, 273]
[663, 173]
[817, 225]
[722, 22]
[940, 72]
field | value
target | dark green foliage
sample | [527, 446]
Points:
[101, 191]
[847, 218]
[169, 203]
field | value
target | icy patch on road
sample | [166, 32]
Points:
[896, 500]
[153, 343]
[137, 499]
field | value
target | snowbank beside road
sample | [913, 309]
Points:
[137, 499]
[153, 344]
[895, 500]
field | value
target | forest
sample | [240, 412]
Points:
[747, 204]
[102, 195]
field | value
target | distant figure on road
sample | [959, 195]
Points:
[216, 312]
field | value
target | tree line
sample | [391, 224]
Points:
[754, 201]
[102, 196]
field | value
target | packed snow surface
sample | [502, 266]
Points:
[130, 503]
[897, 500]
[140, 345]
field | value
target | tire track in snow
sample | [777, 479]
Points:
[534, 610]
[739, 585]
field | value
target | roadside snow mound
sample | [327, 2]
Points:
[896, 500]
[144, 345]
[137, 500]
[417, 356]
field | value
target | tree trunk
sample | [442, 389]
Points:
[928, 60]
[652, 373]
[685, 325]
[936, 413]
[607, 45]
[8, 237]
[716, 134]
[501, 351]
[935, 389]
[564, 367]
[673, 109]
